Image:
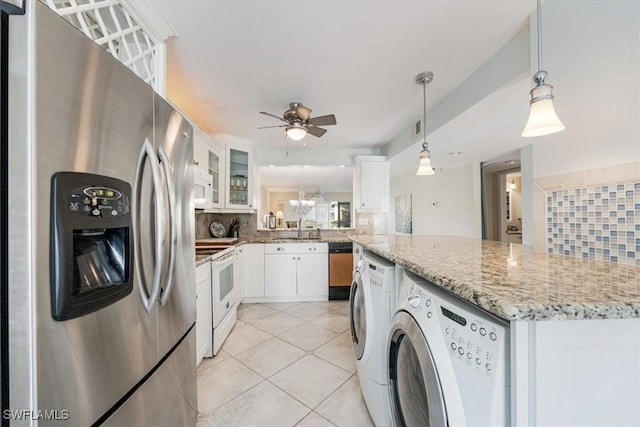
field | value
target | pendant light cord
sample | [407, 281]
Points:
[425, 145]
[539, 13]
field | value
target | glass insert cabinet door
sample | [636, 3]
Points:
[214, 171]
[239, 170]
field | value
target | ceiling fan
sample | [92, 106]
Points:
[299, 122]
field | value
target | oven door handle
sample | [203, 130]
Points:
[227, 261]
[148, 153]
[168, 177]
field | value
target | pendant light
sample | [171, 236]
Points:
[543, 119]
[424, 167]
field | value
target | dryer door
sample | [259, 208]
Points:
[358, 315]
[414, 387]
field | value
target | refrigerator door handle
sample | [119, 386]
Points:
[148, 152]
[166, 166]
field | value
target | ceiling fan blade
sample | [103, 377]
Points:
[276, 126]
[273, 115]
[316, 131]
[302, 112]
[327, 120]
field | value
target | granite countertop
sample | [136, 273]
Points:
[322, 239]
[514, 282]
[204, 258]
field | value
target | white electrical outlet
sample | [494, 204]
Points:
[363, 221]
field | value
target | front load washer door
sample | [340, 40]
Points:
[358, 315]
[414, 387]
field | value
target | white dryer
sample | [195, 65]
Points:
[448, 361]
[371, 310]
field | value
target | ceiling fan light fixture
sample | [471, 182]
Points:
[296, 131]
[543, 119]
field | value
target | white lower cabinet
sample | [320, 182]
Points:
[296, 271]
[203, 312]
[313, 275]
[253, 271]
[280, 275]
[238, 274]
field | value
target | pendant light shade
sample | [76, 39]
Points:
[424, 167]
[543, 119]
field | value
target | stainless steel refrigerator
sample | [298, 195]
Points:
[98, 184]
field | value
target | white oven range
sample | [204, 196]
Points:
[224, 296]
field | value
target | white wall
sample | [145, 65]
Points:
[456, 195]
[591, 50]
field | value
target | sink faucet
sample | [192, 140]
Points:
[299, 228]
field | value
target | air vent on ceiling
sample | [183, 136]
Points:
[416, 130]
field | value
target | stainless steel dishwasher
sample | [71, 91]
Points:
[340, 270]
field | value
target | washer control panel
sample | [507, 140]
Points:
[376, 274]
[474, 340]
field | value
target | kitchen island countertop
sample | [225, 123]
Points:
[514, 282]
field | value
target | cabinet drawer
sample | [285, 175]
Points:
[203, 272]
[296, 248]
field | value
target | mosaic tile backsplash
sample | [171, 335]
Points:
[600, 223]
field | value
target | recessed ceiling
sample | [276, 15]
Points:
[355, 59]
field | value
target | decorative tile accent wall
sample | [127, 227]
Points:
[600, 223]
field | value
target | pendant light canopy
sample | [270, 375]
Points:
[424, 167]
[543, 119]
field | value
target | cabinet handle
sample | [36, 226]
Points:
[313, 249]
[294, 258]
[298, 258]
[195, 162]
[280, 249]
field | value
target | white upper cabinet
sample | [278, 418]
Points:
[209, 158]
[371, 183]
[239, 179]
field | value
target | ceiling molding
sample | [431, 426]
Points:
[150, 18]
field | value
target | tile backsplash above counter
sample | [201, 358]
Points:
[248, 228]
[599, 222]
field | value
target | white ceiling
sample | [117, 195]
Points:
[310, 178]
[356, 59]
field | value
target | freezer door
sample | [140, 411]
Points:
[168, 398]
[177, 311]
[91, 115]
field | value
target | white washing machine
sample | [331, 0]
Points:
[371, 309]
[448, 361]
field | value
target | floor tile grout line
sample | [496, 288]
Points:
[307, 353]
[266, 378]
[295, 398]
[333, 392]
[211, 411]
[329, 361]
[314, 412]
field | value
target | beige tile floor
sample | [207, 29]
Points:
[284, 364]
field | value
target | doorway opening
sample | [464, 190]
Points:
[501, 199]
